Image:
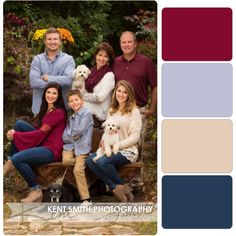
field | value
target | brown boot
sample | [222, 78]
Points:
[8, 168]
[33, 196]
[128, 193]
[119, 193]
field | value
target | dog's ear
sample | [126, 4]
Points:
[104, 124]
[88, 72]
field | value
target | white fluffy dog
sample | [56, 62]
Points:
[79, 75]
[110, 138]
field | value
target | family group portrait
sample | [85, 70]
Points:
[79, 107]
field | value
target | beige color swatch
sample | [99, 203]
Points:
[197, 146]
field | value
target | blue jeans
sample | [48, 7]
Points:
[32, 157]
[21, 126]
[105, 168]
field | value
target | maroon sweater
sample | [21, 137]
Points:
[49, 135]
[140, 72]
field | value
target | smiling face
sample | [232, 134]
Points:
[75, 102]
[121, 95]
[52, 42]
[101, 59]
[128, 44]
[51, 96]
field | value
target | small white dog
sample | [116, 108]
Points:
[110, 139]
[79, 75]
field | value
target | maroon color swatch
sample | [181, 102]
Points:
[197, 34]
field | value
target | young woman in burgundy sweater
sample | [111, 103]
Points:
[40, 143]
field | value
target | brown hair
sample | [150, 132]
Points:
[108, 49]
[74, 92]
[52, 30]
[130, 103]
[59, 103]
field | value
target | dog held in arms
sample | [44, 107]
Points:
[110, 138]
[79, 75]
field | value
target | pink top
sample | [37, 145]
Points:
[48, 135]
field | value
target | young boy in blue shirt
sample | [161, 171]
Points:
[77, 139]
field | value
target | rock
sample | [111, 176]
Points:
[11, 225]
[70, 231]
[122, 230]
[49, 233]
[84, 224]
[36, 226]
[95, 231]
[16, 232]
[54, 227]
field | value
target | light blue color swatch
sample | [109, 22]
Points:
[197, 90]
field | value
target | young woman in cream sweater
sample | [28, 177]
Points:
[125, 112]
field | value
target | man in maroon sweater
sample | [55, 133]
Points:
[141, 72]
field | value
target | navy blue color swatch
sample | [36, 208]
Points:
[196, 202]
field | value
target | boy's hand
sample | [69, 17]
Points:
[76, 137]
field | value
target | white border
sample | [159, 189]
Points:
[1, 112]
[189, 3]
[161, 4]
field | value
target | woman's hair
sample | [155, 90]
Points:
[52, 30]
[59, 103]
[108, 49]
[131, 101]
[74, 92]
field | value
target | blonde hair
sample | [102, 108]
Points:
[130, 103]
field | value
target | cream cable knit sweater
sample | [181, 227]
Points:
[129, 132]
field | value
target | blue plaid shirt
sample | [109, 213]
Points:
[77, 135]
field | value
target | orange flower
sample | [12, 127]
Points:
[66, 35]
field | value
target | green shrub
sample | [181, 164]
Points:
[17, 59]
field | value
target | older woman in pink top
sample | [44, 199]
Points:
[40, 143]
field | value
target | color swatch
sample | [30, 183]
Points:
[196, 118]
[197, 90]
[197, 202]
[197, 34]
[197, 146]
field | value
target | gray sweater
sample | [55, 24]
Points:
[58, 70]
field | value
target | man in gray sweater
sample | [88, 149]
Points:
[51, 66]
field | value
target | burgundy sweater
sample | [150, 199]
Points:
[140, 72]
[49, 135]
